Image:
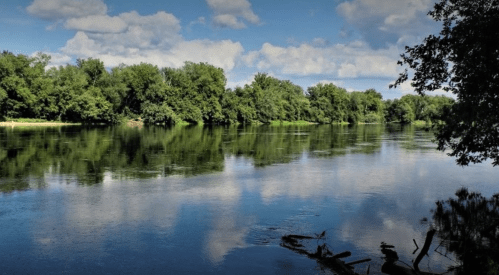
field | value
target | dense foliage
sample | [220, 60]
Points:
[196, 93]
[463, 59]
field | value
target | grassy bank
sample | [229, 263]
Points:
[32, 122]
[285, 123]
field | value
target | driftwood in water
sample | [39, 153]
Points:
[391, 268]
[322, 254]
[358, 262]
[343, 255]
[426, 247]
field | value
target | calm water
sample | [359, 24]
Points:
[216, 200]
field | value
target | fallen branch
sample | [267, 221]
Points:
[424, 250]
[417, 247]
[358, 262]
[391, 268]
[322, 254]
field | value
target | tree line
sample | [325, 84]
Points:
[195, 93]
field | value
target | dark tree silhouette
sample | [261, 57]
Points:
[462, 59]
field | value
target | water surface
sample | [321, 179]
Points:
[213, 200]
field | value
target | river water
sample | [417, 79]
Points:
[216, 200]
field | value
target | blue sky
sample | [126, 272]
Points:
[354, 44]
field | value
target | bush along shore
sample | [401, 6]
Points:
[193, 94]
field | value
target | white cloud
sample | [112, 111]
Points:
[62, 9]
[131, 38]
[228, 13]
[355, 59]
[389, 12]
[199, 21]
[382, 21]
[97, 23]
[406, 88]
[228, 20]
[318, 41]
[80, 44]
[221, 54]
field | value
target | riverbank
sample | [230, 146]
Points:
[286, 123]
[44, 123]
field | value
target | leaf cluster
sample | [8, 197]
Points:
[462, 59]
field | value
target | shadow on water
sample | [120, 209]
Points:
[469, 228]
[468, 231]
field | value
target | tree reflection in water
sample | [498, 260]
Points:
[88, 153]
[469, 226]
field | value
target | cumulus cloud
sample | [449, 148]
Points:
[228, 13]
[160, 30]
[62, 9]
[221, 54]
[131, 38]
[352, 60]
[384, 21]
[199, 21]
[319, 41]
[406, 88]
[97, 23]
[228, 20]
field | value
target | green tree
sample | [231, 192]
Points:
[246, 112]
[21, 79]
[90, 106]
[144, 82]
[399, 110]
[93, 68]
[115, 89]
[209, 84]
[181, 95]
[69, 83]
[462, 59]
[158, 113]
[328, 103]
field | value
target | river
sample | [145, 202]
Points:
[216, 200]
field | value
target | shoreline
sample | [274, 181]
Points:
[13, 123]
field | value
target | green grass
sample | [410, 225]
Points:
[182, 123]
[420, 123]
[340, 123]
[27, 120]
[285, 123]
[36, 120]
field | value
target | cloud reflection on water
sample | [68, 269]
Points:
[91, 217]
[366, 193]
